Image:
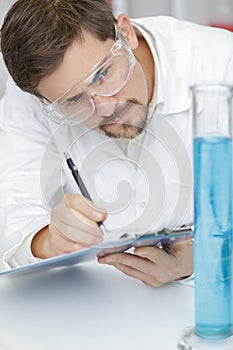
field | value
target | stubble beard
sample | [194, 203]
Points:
[128, 129]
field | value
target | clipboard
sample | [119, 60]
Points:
[126, 241]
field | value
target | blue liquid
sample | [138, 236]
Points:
[213, 237]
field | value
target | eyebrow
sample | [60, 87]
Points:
[103, 62]
[71, 98]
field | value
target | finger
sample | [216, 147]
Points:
[167, 267]
[80, 236]
[152, 261]
[138, 263]
[131, 272]
[77, 220]
[71, 223]
[175, 260]
[154, 254]
[85, 207]
[136, 267]
[60, 245]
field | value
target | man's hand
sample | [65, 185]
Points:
[155, 266]
[73, 227]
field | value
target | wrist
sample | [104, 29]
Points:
[39, 244]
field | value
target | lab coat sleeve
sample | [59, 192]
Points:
[188, 281]
[24, 135]
[21, 255]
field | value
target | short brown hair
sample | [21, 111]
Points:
[36, 34]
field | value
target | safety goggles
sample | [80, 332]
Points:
[106, 78]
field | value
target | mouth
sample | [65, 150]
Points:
[126, 123]
[121, 116]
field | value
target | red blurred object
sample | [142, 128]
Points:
[109, 2]
[223, 26]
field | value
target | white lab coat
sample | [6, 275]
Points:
[145, 184]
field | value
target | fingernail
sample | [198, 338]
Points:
[101, 261]
[107, 261]
[97, 215]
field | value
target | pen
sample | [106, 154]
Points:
[82, 187]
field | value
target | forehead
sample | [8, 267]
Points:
[78, 60]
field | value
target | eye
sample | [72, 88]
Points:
[75, 99]
[100, 76]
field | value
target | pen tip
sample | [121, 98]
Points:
[66, 154]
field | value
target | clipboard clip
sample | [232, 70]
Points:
[170, 234]
[182, 231]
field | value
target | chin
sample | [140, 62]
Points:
[127, 129]
[123, 131]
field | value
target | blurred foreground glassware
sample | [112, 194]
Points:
[212, 125]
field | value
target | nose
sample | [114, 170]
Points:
[104, 105]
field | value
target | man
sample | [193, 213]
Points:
[117, 94]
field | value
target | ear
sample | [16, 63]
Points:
[124, 24]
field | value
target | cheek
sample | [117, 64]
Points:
[135, 89]
[92, 122]
[138, 85]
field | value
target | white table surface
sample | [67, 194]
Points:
[91, 307]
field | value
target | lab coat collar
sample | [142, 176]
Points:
[171, 93]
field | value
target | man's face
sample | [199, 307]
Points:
[121, 115]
